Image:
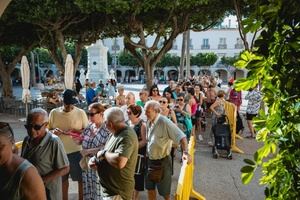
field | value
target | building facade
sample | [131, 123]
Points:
[223, 40]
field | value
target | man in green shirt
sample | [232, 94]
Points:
[116, 163]
[143, 98]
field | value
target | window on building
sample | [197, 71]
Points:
[239, 43]
[191, 44]
[174, 47]
[222, 43]
[160, 43]
[115, 46]
[205, 44]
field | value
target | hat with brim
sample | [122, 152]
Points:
[69, 97]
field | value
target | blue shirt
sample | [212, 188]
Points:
[90, 94]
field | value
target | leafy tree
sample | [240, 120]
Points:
[126, 59]
[44, 56]
[228, 61]
[204, 59]
[169, 60]
[275, 64]
[63, 24]
[16, 39]
[165, 20]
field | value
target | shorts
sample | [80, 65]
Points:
[164, 187]
[250, 116]
[75, 169]
[139, 182]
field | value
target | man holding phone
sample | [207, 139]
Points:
[64, 121]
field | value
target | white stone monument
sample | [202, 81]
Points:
[82, 76]
[97, 62]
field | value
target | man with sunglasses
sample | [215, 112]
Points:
[46, 152]
[63, 121]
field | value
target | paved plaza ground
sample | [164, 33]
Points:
[215, 179]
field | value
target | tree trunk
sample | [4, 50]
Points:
[237, 9]
[148, 73]
[32, 70]
[182, 58]
[6, 84]
[188, 66]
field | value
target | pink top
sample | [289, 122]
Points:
[194, 106]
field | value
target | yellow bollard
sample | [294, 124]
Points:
[185, 188]
[230, 110]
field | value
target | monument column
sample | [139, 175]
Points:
[97, 62]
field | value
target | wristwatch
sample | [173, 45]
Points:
[101, 155]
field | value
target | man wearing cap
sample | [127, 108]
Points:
[63, 121]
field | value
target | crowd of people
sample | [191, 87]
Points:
[113, 151]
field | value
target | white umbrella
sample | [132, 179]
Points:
[69, 70]
[25, 73]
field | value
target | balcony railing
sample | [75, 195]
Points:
[222, 46]
[207, 46]
[115, 47]
[238, 46]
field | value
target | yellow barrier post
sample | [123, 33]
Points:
[230, 110]
[18, 145]
[185, 188]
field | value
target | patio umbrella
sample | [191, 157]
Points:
[69, 71]
[25, 73]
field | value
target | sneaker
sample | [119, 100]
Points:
[210, 143]
[200, 138]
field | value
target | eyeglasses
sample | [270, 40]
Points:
[164, 102]
[35, 127]
[179, 99]
[92, 114]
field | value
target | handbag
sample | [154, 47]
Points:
[155, 171]
[84, 163]
[188, 123]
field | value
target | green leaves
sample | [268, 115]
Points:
[245, 58]
[274, 66]
[247, 177]
[204, 59]
[248, 171]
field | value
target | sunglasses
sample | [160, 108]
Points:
[35, 127]
[92, 114]
[179, 99]
[164, 102]
[154, 90]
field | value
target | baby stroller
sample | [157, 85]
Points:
[222, 136]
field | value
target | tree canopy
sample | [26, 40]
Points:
[165, 20]
[274, 64]
[126, 59]
[204, 59]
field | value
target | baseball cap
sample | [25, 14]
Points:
[69, 97]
